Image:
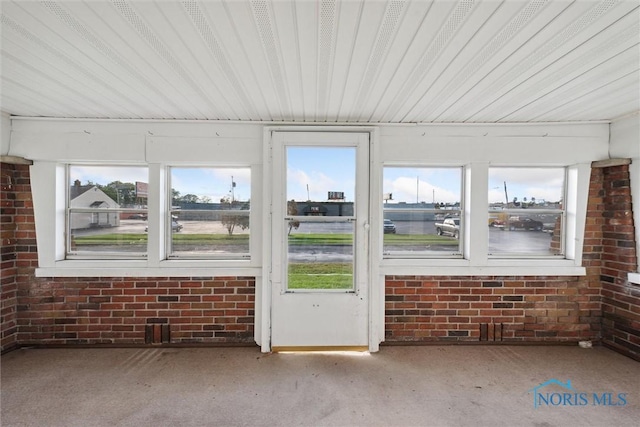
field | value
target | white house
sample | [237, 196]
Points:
[91, 197]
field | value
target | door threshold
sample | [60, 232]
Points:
[324, 349]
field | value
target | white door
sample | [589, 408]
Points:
[319, 258]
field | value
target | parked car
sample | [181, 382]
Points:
[497, 219]
[517, 223]
[389, 227]
[138, 216]
[450, 226]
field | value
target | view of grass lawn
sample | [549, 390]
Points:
[346, 239]
[315, 275]
[294, 239]
[419, 239]
[218, 239]
[302, 275]
[110, 239]
[326, 239]
[115, 238]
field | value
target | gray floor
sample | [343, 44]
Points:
[399, 386]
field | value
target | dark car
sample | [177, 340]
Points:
[138, 216]
[525, 224]
[389, 227]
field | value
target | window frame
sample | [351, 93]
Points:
[50, 194]
[156, 144]
[476, 260]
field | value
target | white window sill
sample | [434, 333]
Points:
[452, 267]
[130, 268]
[634, 278]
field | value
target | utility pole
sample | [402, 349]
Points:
[506, 196]
[233, 185]
[417, 188]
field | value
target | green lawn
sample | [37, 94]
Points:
[294, 239]
[419, 239]
[320, 276]
[123, 239]
[110, 239]
[320, 239]
[347, 239]
[310, 275]
[214, 238]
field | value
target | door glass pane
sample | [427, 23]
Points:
[321, 182]
[320, 256]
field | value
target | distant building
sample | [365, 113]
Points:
[90, 196]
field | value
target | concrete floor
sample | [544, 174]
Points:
[399, 386]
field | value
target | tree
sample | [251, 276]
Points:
[232, 220]
[123, 193]
[292, 209]
[188, 198]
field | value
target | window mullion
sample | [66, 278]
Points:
[475, 208]
[157, 208]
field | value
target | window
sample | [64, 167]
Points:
[106, 211]
[209, 212]
[526, 211]
[422, 209]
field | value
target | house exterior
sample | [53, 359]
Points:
[90, 196]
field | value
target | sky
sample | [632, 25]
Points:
[545, 184]
[444, 184]
[314, 171]
[323, 169]
[104, 175]
[214, 183]
[411, 185]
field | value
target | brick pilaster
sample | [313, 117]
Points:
[620, 299]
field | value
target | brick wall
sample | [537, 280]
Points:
[19, 254]
[124, 310]
[491, 309]
[620, 299]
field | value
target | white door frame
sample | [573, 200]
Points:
[375, 281]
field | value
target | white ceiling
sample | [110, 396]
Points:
[322, 61]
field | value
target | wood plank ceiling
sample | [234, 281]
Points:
[349, 61]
